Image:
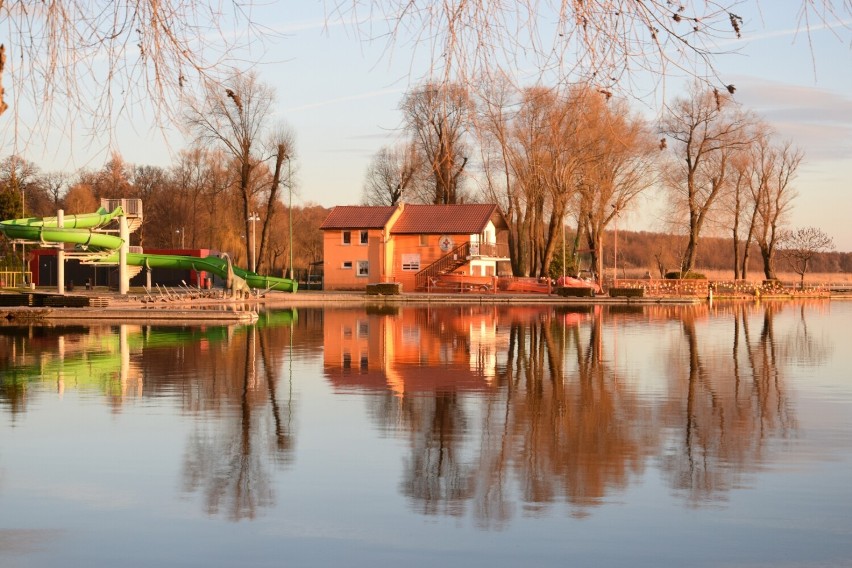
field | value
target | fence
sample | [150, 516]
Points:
[721, 288]
[15, 278]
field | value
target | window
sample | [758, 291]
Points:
[347, 265]
[347, 237]
[411, 262]
[363, 268]
[424, 240]
[365, 237]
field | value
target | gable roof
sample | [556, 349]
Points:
[358, 217]
[464, 219]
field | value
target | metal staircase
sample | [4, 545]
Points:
[451, 261]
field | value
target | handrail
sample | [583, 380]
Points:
[444, 263]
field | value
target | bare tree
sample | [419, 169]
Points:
[618, 169]
[162, 205]
[94, 61]
[56, 183]
[201, 175]
[236, 119]
[112, 181]
[281, 147]
[775, 167]
[79, 199]
[735, 205]
[604, 41]
[391, 175]
[438, 117]
[799, 246]
[707, 129]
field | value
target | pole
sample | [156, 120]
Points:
[615, 250]
[23, 246]
[253, 218]
[563, 250]
[123, 273]
[290, 188]
[60, 256]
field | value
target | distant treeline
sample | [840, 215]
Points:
[658, 253]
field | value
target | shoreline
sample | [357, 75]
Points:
[108, 306]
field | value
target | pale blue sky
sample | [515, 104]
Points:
[340, 96]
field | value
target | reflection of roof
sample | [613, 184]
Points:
[464, 219]
[413, 379]
[357, 217]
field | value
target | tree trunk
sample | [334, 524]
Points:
[768, 262]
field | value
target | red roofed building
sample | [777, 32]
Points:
[411, 244]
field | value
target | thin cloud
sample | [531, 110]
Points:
[791, 32]
[817, 120]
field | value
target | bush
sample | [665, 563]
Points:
[677, 275]
[571, 292]
[627, 292]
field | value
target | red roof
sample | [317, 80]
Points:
[464, 219]
[357, 217]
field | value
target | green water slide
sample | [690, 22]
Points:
[80, 230]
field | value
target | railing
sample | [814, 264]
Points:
[491, 250]
[453, 259]
[15, 278]
[131, 207]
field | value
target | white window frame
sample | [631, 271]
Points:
[363, 268]
[364, 237]
[347, 265]
[346, 238]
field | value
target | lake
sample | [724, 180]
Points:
[540, 435]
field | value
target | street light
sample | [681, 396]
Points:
[252, 219]
[615, 248]
[180, 232]
[290, 189]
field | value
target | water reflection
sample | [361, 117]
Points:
[725, 403]
[233, 373]
[559, 419]
[502, 411]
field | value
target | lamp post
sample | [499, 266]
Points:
[23, 246]
[615, 248]
[253, 218]
[180, 232]
[290, 189]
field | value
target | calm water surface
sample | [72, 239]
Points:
[452, 436]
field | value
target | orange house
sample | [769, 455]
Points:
[410, 244]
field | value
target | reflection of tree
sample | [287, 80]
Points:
[560, 424]
[434, 476]
[581, 432]
[802, 345]
[230, 464]
[725, 408]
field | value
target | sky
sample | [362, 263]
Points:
[340, 96]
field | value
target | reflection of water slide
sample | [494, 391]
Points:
[96, 360]
[80, 230]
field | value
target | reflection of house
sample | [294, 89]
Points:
[438, 350]
[411, 243]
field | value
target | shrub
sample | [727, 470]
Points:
[677, 275]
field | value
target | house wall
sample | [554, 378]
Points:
[337, 276]
[406, 245]
[389, 257]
